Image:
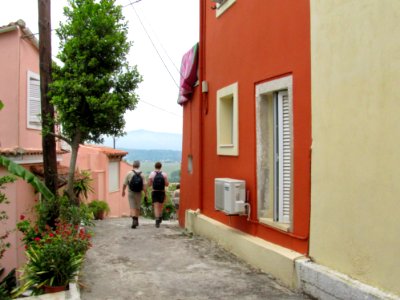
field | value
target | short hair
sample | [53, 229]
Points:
[136, 164]
[178, 186]
[158, 165]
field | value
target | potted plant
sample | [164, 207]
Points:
[54, 258]
[99, 208]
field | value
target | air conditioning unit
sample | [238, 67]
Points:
[230, 195]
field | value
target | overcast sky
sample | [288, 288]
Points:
[173, 28]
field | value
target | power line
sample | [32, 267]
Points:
[154, 46]
[160, 108]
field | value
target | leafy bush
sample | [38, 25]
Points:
[146, 207]
[74, 214]
[54, 256]
[99, 208]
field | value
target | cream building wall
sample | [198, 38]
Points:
[355, 223]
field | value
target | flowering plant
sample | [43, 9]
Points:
[54, 256]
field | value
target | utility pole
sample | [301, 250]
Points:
[48, 138]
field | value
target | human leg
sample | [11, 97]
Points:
[135, 209]
[158, 201]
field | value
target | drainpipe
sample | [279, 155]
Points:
[204, 96]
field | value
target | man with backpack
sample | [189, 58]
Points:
[158, 180]
[136, 183]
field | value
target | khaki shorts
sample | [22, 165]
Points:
[135, 199]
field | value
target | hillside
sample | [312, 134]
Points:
[147, 140]
[152, 155]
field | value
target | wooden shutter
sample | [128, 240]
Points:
[113, 176]
[34, 107]
[284, 157]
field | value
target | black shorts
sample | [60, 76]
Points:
[158, 196]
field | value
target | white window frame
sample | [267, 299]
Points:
[275, 144]
[228, 121]
[33, 101]
[223, 6]
[113, 176]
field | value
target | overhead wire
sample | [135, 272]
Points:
[155, 48]
[152, 42]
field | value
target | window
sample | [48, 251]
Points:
[33, 100]
[275, 151]
[113, 176]
[227, 120]
[222, 6]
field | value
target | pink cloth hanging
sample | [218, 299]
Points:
[188, 74]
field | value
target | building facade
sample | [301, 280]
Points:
[298, 99]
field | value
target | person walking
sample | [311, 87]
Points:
[137, 185]
[158, 180]
[175, 199]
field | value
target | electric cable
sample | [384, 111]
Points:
[154, 46]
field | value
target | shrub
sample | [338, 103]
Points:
[54, 256]
[99, 208]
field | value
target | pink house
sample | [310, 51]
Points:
[20, 138]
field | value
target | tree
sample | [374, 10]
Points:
[48, 139]
[95, 85]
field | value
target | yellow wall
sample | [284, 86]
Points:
[355, 215]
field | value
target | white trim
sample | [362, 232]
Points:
[264, 163]
[230, 93]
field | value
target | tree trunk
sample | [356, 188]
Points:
[72, 165]
[47, 109]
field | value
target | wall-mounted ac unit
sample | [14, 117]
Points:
[230, 195]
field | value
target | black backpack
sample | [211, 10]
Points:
[136, 182]
[159, 182]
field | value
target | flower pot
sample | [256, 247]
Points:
[54, 289]
[99, 215]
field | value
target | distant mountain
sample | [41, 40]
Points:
[147, 140]
[153, 155]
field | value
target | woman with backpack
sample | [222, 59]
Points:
[158, 180]
[137, 184]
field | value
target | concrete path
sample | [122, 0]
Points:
[165, 263]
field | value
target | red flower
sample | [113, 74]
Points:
[51, 235]
[37, 239]
[22, 217]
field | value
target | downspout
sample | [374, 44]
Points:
[19, 94]
[203, 97]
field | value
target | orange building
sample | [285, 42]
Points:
[248, 118]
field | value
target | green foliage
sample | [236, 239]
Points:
[146, 206]
[99, 208]
[3, 215]
[75, 214]
[82, 185]
[95, 85]
[21, 172]
[7, 284]
[54, 257]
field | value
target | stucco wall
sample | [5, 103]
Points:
[9, 81]
[356, 139]
[252, 42]
[18, 56]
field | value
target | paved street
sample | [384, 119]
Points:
[167, 263]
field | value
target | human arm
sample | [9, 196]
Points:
[123, 190]
[166, 179]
